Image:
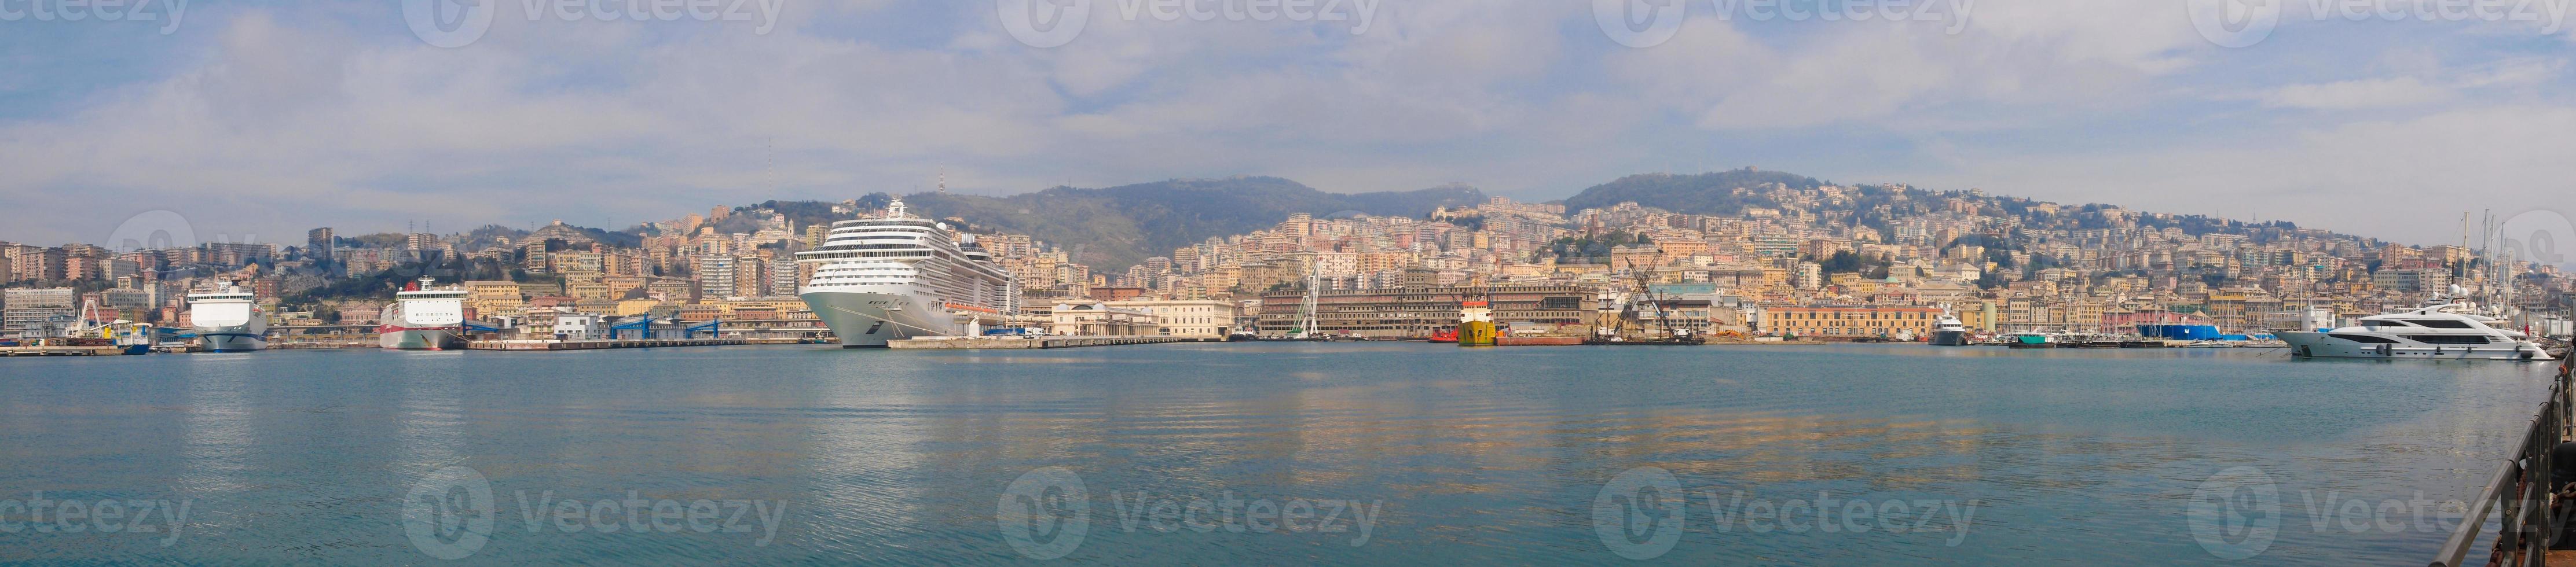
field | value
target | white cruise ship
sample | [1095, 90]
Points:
[228, 320]
[422, 317]
[2446, 331]
[900, 277]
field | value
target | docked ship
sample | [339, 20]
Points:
[423, 317]
[900, 277]
[1476, 323]
[2031, 339]
[1949, 331]
[2451, 331]
[228, 320]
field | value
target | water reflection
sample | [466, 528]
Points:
[1482, 455]
[217, 437]
[430, 423]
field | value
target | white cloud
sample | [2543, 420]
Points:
[2348, 95]
[283, 121]
[2391, 178]
[2041, 56]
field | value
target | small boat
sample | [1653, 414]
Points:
[2083, 340]
[2030, 340]
[1445, 336]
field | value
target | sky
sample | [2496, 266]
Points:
[257, 120]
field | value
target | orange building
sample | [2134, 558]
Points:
[1849, 320]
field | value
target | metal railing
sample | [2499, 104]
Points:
[2529, 508]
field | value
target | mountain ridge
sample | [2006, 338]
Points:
[1111, 228]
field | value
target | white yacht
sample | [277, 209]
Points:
[228, 320]
[900, 277]
[422, 317]
[1949, 331]
[2445, 331]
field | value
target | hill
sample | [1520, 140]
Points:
[1698, 194]
[1112, 228]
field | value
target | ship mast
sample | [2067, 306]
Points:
[1306, 313]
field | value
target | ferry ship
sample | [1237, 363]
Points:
[228, 320]
[422, 317]
[2446, 331]
[900, 277]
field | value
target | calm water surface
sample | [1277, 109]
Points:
[1465, 456]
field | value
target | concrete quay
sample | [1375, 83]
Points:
[1039, 342]
[291, 345]
[598, 344]
[32, 350]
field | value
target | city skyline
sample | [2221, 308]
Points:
[1401, 282]
[274, 118]
[2528, 224]
[1733, 247]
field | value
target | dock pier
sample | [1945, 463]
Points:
[598, 344]
[33, 350]
[2525, 497]
[1040, 342]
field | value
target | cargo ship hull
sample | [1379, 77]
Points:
[231, 339]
